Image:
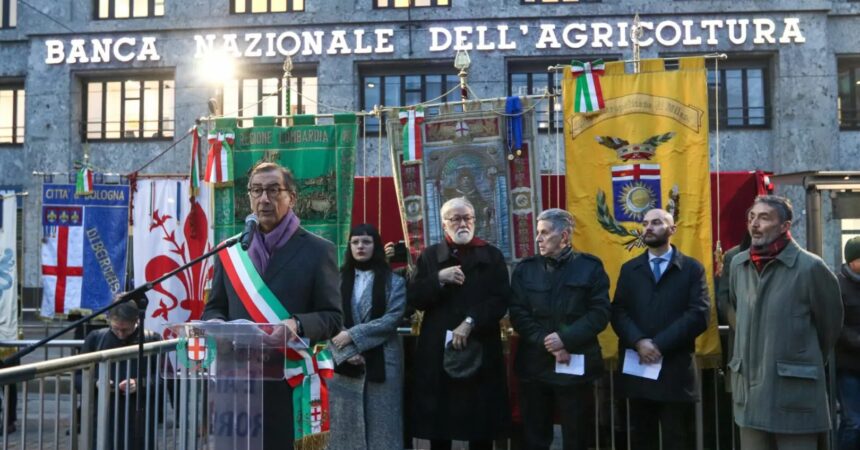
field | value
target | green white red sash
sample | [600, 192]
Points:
[589, 95]
[304, 370]
[412, 142]
[219, 163]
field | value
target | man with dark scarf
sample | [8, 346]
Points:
[788, 318]
[462, 286]
[560, 304]
[298, 268]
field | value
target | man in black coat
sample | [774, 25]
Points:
[560, 305]
[661, 305]
[848, 348]
[299, 268]
[462, 286]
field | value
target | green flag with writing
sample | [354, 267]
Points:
[322, 159]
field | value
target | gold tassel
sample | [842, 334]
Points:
[312, 442]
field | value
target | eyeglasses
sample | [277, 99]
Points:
[458, 219]
[271, 191]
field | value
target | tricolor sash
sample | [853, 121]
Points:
[304, 370]
[219, 163]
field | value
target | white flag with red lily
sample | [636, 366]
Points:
[170, 231]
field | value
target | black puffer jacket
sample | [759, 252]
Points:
[848, 346]
[572, 300]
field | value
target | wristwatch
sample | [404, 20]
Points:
[470, 321]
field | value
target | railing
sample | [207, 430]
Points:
[106, 414]
[175, 413]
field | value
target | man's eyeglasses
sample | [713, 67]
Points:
[271, 192]
[458, 219]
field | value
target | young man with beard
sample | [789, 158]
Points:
[661, 305]
[462, 286]
[788, 318]
[560, 305]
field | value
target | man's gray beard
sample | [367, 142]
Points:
[462, 240]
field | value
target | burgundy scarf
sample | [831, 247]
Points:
[264, 244]
[760, 256]
[461, 250]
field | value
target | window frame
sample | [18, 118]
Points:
[556, 2]
[853, 66]
[261, 73]
[433, 4]
[745, 63]
[111, 12]
[249, 6]
[427, 68]
[8, 8]
[162, 79]
[17, 87]
[531, 66]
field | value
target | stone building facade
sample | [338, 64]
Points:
[83, 75]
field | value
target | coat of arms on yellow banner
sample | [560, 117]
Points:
[648, 148]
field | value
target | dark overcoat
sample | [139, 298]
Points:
[474, 408]
[573, 301]
[671, 312]
[303, 275]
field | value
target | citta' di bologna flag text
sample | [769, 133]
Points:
[170, 229]
[648, 148]
[84, 247]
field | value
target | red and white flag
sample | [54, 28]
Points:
[169, 231]
[219, 163]
[62, 267]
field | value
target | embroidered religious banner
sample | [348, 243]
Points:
[320, 156]
[648, 148]
[170, 229]
[84, 247]
[8, 268]
[465, 154]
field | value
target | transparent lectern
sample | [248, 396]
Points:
[219, 368]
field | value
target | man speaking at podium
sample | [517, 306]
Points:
[294, 269]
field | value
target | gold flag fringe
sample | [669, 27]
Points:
[313, 442]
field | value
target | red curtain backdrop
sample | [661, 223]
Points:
[737, 192]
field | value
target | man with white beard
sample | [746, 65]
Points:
[462, 286]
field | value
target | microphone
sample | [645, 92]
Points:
[251, 224]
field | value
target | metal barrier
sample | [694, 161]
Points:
[52, 390]
[105, 415]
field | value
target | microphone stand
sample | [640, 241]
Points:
[137, 295]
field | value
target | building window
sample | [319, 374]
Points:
[409, 3]
[12, 114]
[139, 108]
[407, 89]
[533, 2]
[8, 13]
[524, 81]
[264, 96]
[129, 9]
[743, 94]
[848, 102]
[266, 6]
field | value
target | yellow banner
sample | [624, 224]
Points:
[647, 148]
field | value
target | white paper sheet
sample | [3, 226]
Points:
[576, 366]
[633, 367]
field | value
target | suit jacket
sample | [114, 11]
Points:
[303, 276]
[672, 313]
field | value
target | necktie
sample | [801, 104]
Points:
[655, 267]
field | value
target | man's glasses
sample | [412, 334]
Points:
[271, 191]
[458, 219]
